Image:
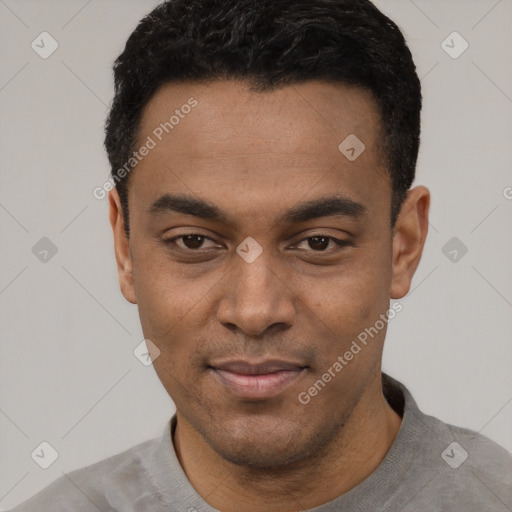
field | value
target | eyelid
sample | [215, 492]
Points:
[178, 237]
[347, 237]
[338, 241]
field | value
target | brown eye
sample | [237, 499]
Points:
[322, 243]
[192, 248]
[193, 241]
[318, 243]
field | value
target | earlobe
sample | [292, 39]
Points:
[409, 239]
[121, 247]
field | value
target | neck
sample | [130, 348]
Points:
[355, 452]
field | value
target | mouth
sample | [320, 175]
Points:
[257, 381]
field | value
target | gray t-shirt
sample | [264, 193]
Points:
[430, 467]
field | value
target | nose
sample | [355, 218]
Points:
[256, 298]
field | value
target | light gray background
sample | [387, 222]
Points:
[68, 373]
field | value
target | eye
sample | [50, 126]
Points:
[191, 242]
[321, 243]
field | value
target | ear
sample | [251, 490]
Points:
[408, 240]
[122, 247]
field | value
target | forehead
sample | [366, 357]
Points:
[239, 146]
[326, 107]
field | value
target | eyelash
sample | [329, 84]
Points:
[339, 243]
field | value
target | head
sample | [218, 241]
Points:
[270, 216]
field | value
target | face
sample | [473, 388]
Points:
[258, 253]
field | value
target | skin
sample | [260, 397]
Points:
[255, 156]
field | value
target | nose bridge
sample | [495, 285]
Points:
[257, 297]
[257, 281]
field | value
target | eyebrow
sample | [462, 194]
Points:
[316, 208]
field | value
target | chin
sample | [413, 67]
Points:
[263, 454]
[271, 446]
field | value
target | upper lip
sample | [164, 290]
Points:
[259, 368]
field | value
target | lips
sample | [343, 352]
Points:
[257, 381]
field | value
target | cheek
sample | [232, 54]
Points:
[161, 298]
[173, 309]
[352, 296]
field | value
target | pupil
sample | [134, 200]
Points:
[318, 242]
[193, 241]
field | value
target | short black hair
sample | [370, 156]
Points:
[270, 44]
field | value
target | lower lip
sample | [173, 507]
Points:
[258, 386]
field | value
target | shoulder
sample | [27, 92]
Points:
[471, 453]
[114, 483]
[464, 468]
[467, 448]
[446, 467]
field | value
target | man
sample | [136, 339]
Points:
[262, 155]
